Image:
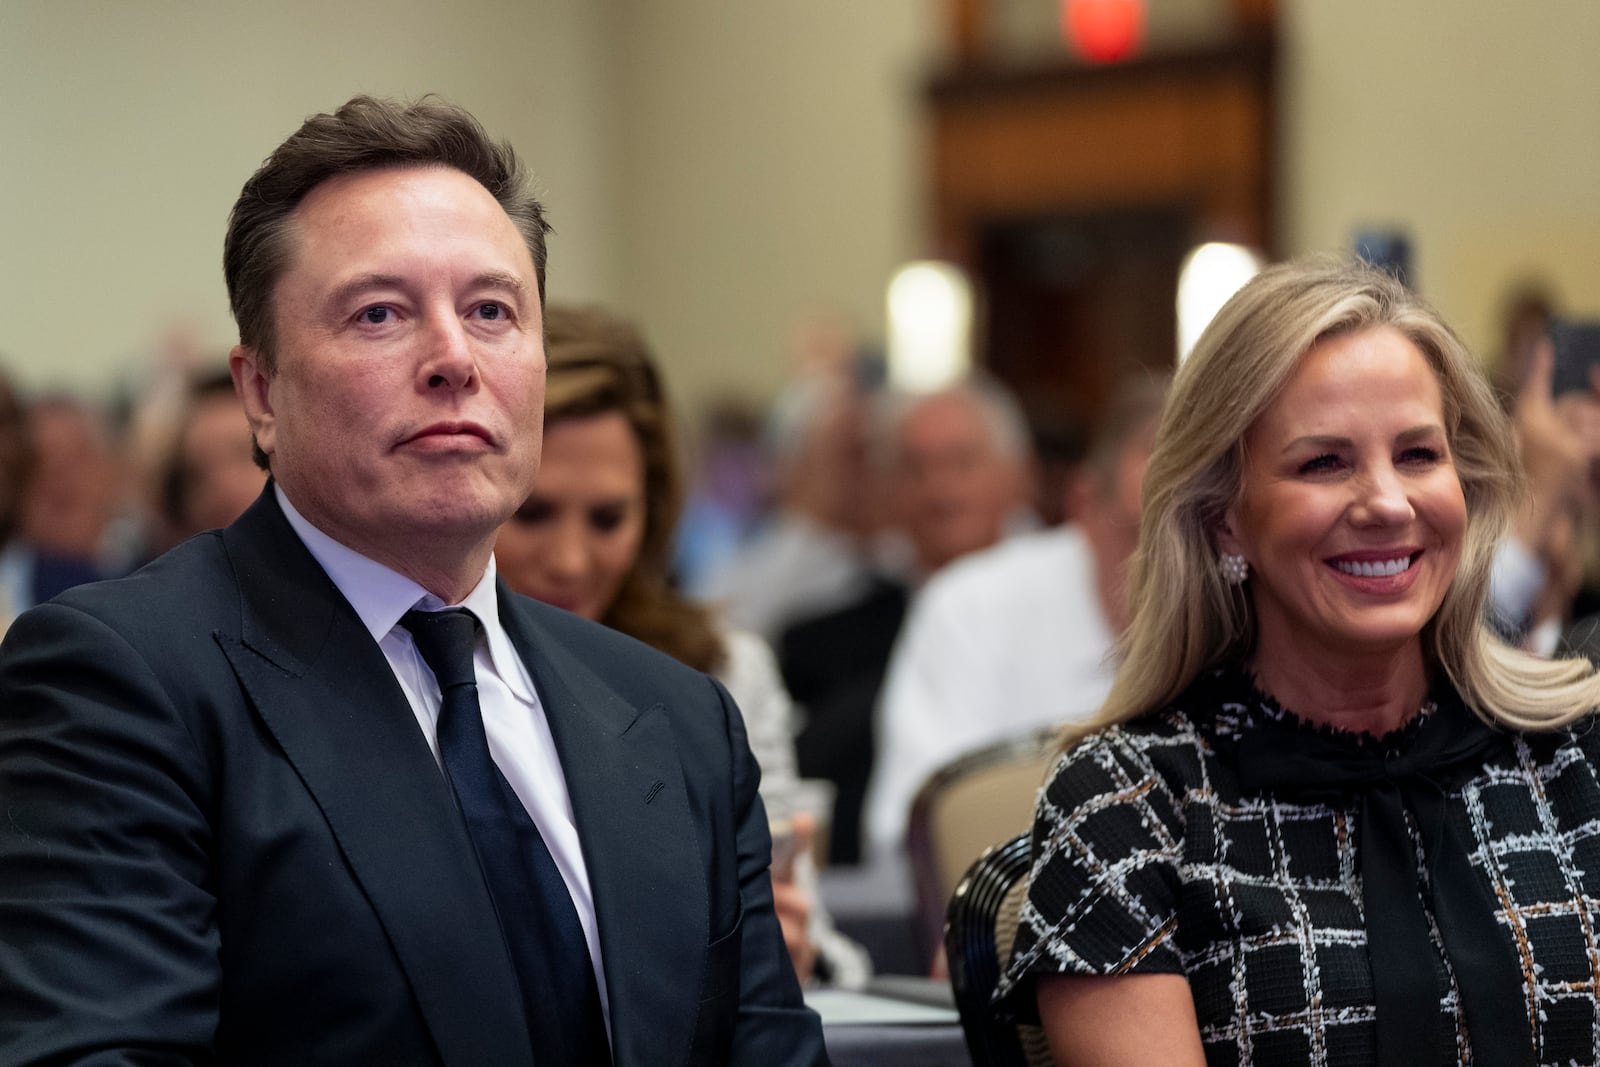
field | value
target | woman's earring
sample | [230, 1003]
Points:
[1234, 568]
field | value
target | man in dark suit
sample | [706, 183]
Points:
[238, 825]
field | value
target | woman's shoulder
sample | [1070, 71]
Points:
[1169, 749]
[1109, 839]
[1577, 739]
[1145, 737]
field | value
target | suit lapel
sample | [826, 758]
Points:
[639, 842]
[326, 693]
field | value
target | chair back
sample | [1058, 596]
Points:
[978, 937]
[964, 807]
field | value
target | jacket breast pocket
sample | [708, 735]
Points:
[719, 997]
[722, 963]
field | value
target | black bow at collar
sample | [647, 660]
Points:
[1409, 772]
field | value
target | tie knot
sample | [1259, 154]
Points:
[445, 639]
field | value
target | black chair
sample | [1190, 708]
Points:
[981, 925]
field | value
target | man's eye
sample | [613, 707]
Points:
[377, 316]
[492, 311]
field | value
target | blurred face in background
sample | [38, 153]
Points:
[1106, 507]
[1110, 505]
[220, 479]
[72, 494]
[828, 479]
[956, 485]
[579, 533]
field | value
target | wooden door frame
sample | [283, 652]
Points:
[1192, 130]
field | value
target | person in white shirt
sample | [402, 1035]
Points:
[955, 467]
[1015, 638]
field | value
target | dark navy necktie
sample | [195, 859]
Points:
[536, 912]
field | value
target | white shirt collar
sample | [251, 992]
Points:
[381, 595]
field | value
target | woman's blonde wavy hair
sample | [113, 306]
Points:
[1185, 615]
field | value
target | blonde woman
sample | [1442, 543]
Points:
[1324, 817]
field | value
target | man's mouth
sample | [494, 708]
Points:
[451, 429]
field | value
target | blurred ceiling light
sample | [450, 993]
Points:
[930, 325]
[1211, 273]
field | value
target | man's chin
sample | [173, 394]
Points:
[461, 521]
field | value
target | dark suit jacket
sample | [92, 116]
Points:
[223, 837]
[834, 666]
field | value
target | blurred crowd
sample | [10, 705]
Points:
[91, 490]
[880, 573]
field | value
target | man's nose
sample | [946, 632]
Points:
[448, 361]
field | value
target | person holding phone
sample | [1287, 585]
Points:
[1554, 395]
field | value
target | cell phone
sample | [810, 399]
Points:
[1387, 250]
[1577, 345]
[785, 847]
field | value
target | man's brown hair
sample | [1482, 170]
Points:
[367, 133]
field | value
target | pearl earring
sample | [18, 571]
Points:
[1233, 567]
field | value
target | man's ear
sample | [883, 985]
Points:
[254, 386]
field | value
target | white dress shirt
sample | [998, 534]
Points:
[997, 645]
[519, 734]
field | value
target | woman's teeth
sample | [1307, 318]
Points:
[1385, 569]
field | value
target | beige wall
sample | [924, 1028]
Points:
[719, 167]
[773, 168]
[1473, 124]
[127, 128]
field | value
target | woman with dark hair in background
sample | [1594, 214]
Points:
[595, 538]
[210, 477]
